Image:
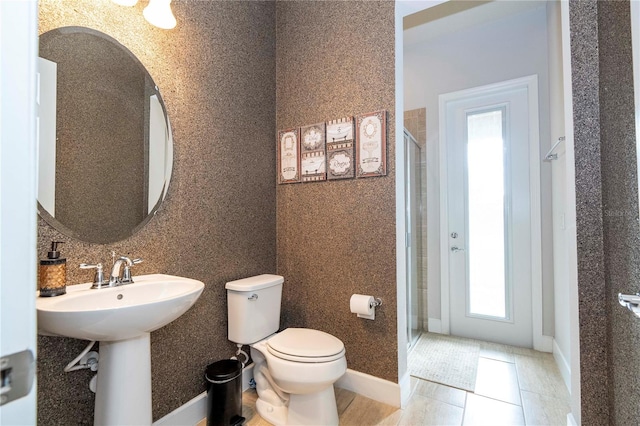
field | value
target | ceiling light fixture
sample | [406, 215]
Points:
[158, 13]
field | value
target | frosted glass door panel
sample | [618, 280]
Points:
[486, 286]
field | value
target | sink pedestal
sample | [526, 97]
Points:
[120, 318]
[123, 393]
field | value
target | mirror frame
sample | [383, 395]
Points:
[169, 149]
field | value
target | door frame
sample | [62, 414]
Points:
[530, 83]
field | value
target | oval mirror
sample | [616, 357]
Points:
[105, 149]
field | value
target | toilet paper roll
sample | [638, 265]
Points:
[363, 305]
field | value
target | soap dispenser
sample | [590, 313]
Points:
[52, 274]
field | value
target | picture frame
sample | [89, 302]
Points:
[371, 144]
[289, 156]
[313, 165]
[340, 149]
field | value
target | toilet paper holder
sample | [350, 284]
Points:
[375, 302]
[364, 306]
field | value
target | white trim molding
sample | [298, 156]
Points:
[401, 9]
[435, 326]
[192, 412]
[563, 365]
[405, 390]
[444, 217]
[373, 387]
[188, 414]
[545, 344]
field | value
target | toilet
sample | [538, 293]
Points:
[294, 369]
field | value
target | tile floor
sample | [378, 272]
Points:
[514, 386]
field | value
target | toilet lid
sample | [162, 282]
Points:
[305, 345]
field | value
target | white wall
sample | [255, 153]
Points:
[499, 50]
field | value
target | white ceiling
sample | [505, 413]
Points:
[456, 15]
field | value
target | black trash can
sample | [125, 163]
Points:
[224, 393]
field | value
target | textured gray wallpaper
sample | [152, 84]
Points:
[591, 281]
[336, 238]
[620, 202]
[216, 73]
[607, 210]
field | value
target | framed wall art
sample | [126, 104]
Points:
[340, 149]
[371, 144]
[288, 156]
[313, 163]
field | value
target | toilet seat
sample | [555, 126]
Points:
[305, 345]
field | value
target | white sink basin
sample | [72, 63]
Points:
[121, 318]
[117, 313]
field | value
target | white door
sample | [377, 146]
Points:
[18, 51]
[489, 212]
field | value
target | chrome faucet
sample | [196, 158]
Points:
[116, 278]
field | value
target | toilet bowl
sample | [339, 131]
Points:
[295, 369]
[294, 372]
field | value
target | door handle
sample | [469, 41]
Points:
[18, 371]
[631, 302]
[456, 249]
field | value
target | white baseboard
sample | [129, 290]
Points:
[543, 343]
[366, 385]
[571, 421]
[194, 411]
[372, 387]
[435, 325]
[188, 414]
[563, 365]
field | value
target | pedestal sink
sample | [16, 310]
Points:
[121, 318]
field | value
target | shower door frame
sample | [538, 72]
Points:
[411, 239]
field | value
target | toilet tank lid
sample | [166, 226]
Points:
[255, 283]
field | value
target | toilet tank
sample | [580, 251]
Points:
[253, 307]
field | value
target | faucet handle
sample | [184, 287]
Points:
[126, 274]
[98, 278]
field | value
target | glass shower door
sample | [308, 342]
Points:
[413, 212]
